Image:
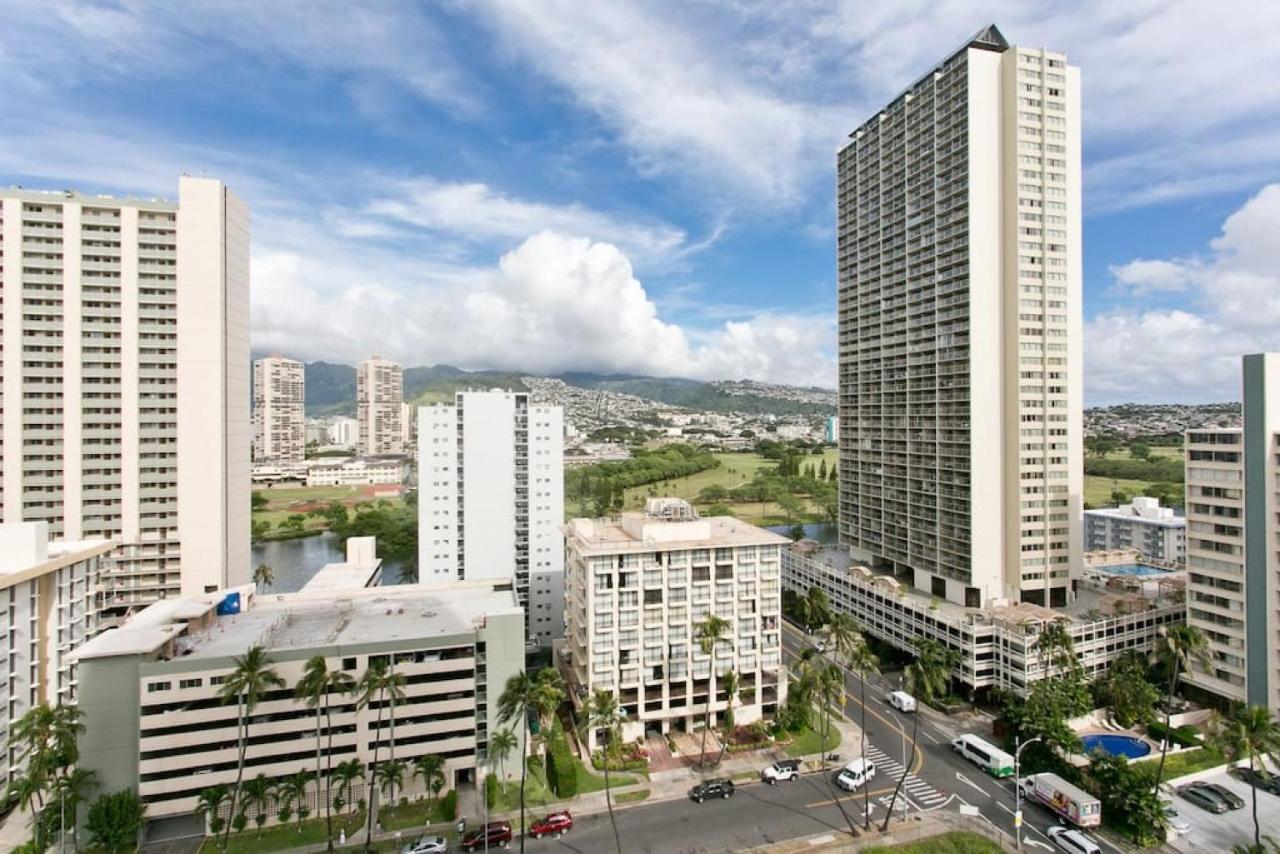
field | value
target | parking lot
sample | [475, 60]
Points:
[1219, 832]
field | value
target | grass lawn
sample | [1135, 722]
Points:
[538, 796]
[282, 503]
[1097, 490]
[958, 842]
[807, 743]
[413, 814]
[632, 797]
[281, 837]
[1189, 762]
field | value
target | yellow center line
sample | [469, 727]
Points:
[853, 795]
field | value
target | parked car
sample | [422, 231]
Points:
[783, 769]
[718, 788]
[426, 845]
[1073, 841]
[1270, 783]
[1176, 822]
[1233, 800]
[901, 700]
[1204, 798]
[856, 774]
[552, 825]
[495, 834]
[821, 646]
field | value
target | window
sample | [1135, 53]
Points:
[190, 683]
[158, 686]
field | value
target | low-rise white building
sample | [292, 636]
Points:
[637, 589]
[360, 471]
[1153, 531]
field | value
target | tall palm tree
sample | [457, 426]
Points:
[709, 634]
[318, 682]
[376, 681]
[257, 793]
[208, 806]
[1251, 732]
[73, 789]
[520, 695]
[1179, 648]
[730, 684]
[248, 682]
[548, 694]
[813, 608]
[501, 743]
[861, 660]
[429, 766]
[601, 712]
[829, 690]
[390, 775]
[929, 675]
[264, 576]
[347, 773]
[1055, 647]
[915, 727]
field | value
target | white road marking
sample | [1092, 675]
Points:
[963, 779]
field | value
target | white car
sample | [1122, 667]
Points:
[901, 700]
[783, 769]
[426, 845]
[1073, 841]
[856, 774]
[1176, 823]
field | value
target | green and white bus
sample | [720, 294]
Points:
[985, 755]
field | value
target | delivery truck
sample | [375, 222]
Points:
[1071, 802]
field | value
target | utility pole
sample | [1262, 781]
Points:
[1018, 744]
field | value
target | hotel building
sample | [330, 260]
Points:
[279, 416]
[125, 383]
[379, 407]
[1155, 532]
[639, 586]
[491, 499]
[959, 265]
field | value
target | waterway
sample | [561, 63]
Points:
[824, 532]
[296, 561]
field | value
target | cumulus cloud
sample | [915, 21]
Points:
[554, 303]
[1193, 354]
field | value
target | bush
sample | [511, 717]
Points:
[490, 790]
[562, 775]
[449, 804]
[1184, 736]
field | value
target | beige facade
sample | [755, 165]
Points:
[279, 410]
[379, 407]
[637, 589]
[125, 390]
[959, 262]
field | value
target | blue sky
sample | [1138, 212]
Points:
[644, 187]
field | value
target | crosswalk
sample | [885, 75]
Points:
[888, 768]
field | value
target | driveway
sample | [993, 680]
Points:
[1219, 832]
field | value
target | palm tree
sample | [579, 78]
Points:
[247, 683]
[548, 694]
[315, 686]
[264, 576]
[501, 743]
[1250, 732]
[347, 773]
[208, 806]
[1180, 647]
[429, 766]
[73, 788]
[861, 660]
[257, 792]
[1055, 647]
[929, 675]
[378, 682]
[389, 776]
[813, 608]
[730, 684]
[915, 726]
[542, 693]
[601, 712]
[709, 634]
[828, 690]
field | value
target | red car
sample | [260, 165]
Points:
[552, 825]
[496, 833]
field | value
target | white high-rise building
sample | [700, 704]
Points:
[125, 391]
[1233, 543]
[959, 260]
[1143, 525]
[279, 410]
[379, 407]
[491, 499]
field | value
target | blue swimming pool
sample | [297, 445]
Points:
[1132, 569]
[1116, 745]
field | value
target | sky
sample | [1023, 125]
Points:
[641, 187]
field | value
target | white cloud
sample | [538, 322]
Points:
[1141, 277]
[1194, 354]
[554, 303]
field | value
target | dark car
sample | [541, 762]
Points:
[495, 834]
[1270, 783]
[552, 825]
[720, 788]
[1233, 800]
[1204, 798]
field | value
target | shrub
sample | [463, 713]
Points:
[562, 775]
[1184, 736]
[449, 805]
[490, 790]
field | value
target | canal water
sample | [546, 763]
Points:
[824, 532]
[296, 561]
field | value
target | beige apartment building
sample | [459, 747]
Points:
[1233, 543]
[47, 610]
[637, 588]
[380, 407]
[279, 411]
[155, 720]
[959, 265]
[125, 387]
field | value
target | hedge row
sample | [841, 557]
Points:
[1183, 735]
[490, 790]
[562, 775]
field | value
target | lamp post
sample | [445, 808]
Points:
[1017, 788]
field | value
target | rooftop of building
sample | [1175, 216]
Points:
[26, 551]
[1142, 509]
[363, 461]
[192, 628]
[666, 524]
[87, 199]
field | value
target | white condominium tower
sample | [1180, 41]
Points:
[491, 499]
[960, 314]
[125, 382]
[1233, 543]
[379, 395]
[279, 417]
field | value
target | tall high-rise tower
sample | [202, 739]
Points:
[279, 415]
[959, 256]
[379, 396]
[491, 499]
[125, 381]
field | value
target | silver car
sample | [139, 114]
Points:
[426, 845]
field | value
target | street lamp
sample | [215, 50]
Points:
[1017, 789]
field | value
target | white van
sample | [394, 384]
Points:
[901, 700]
[1073, 841]
[985, 755]
[856, 774]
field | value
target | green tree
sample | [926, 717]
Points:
[430, 767]
[294, 523]
[930, 674]
[258, 501]
[501, 743]
[830, 691]
[814, 608]
[1127, 797]
[1126, 692]
[257, 794]
[729, 682]
[247, 684]
[389, 776]
[1140, 450]
[1250, 732]
[72, 789]
[602, 713]
[316, 686]
[850, 647]
[114, 820]
[264, 576]
[377, 681]
[209, 807]
[822, 469]
[709, 634]
[1179, 648]
[259, 529]
[347, 773]
[519, 696]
